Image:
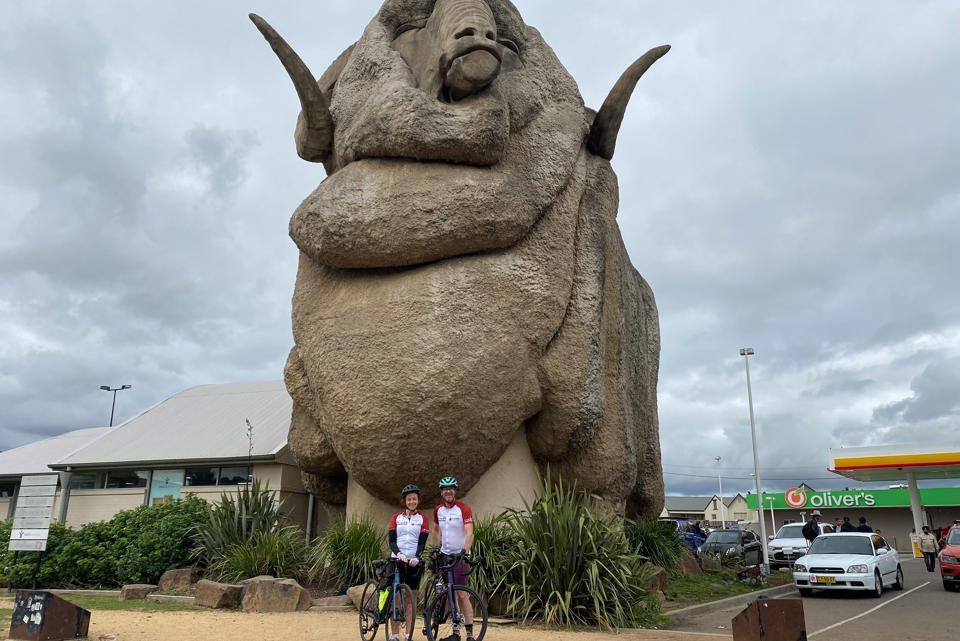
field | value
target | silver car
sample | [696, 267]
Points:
[788, 545]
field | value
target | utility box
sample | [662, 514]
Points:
[771, 620]
[43, 616]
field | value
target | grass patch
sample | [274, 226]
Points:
[683, 591]
[100, 602]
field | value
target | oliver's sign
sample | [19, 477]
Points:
[801, 498]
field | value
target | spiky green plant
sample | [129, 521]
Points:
[491, 537]
[345, 550]
[253, 509]
[281, 552]
[659, 542]
[570, 567]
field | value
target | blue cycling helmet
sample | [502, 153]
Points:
[448, 481]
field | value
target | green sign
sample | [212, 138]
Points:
[798, 498]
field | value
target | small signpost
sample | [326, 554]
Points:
[32, 514]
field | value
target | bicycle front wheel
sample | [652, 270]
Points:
[405, 610]
[443, 623]
[369, 612]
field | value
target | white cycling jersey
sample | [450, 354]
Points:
[451, 521]
[408, 530]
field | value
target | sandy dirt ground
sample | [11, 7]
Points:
[313, 626]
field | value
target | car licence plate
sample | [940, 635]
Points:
[823, 579]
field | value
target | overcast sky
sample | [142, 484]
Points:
[789, 177]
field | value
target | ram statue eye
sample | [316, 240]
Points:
[510, 44]
[409, 26]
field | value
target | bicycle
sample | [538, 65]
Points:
[443, 619]
[386, 599]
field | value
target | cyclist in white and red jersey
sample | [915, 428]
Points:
[407, 535]
[454, 534]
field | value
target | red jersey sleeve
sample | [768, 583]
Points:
[425, 525]
[467, 513]
[393, 522]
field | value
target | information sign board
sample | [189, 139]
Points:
[32, 514]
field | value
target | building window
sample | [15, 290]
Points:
[127, 478]
[7, 489]
[85, 481]
[234, 475]
[201, 476]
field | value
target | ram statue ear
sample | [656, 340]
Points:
[602, 139]
[314, 133]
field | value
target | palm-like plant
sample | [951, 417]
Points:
[253, 509]
[345, 551]
[570, 567]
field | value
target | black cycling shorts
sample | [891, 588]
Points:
[411, 575]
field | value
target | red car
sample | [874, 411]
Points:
[950, 559]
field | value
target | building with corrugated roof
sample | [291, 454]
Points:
[205, 440]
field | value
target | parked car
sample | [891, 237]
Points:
[848, 561]
[788, 544]
[744, 543]
[950, 559]
[690, 537]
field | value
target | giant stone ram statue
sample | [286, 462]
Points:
[464, 302]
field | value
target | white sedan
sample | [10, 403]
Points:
[848, 561]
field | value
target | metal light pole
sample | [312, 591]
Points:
[773, 523]
[747, 352]
[723, 507]
[107, 388]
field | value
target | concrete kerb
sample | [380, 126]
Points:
[682, 613]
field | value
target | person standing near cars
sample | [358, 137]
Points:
[837, 524]
[812, 528]
[863, 527]
[847, 525]
[928, 546]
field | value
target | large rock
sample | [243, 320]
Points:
[480, 294]
[179, 580]
[710, 563]
[689, 565]
[211, 594]
[356, 594]
[136, 591]
[267, 594]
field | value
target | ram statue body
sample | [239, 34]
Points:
[463, 285]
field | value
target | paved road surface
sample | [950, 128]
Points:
[923, 611]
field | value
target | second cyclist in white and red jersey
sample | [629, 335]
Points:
[454, 529]
[407, 535]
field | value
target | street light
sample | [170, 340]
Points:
[747, 352]
[107, 388]
[723, 507]
[773, 523]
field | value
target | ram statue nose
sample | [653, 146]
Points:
[472, 55]
[473, 71]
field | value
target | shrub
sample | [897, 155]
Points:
[135, 546]
[659, 542]
[252, 510]
[491, 539]
[569, 567]
[279, 552]
[345, 550]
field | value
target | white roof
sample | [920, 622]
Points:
[205, 423]
[34, 458]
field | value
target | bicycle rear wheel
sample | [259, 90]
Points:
[404, 601]
[369, 611]
[439, 625]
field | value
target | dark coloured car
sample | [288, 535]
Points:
[743, 543]
[692, 538]
[950, 559]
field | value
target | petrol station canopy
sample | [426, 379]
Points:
[896, 462]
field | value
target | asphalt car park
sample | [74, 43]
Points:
[917, 613]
